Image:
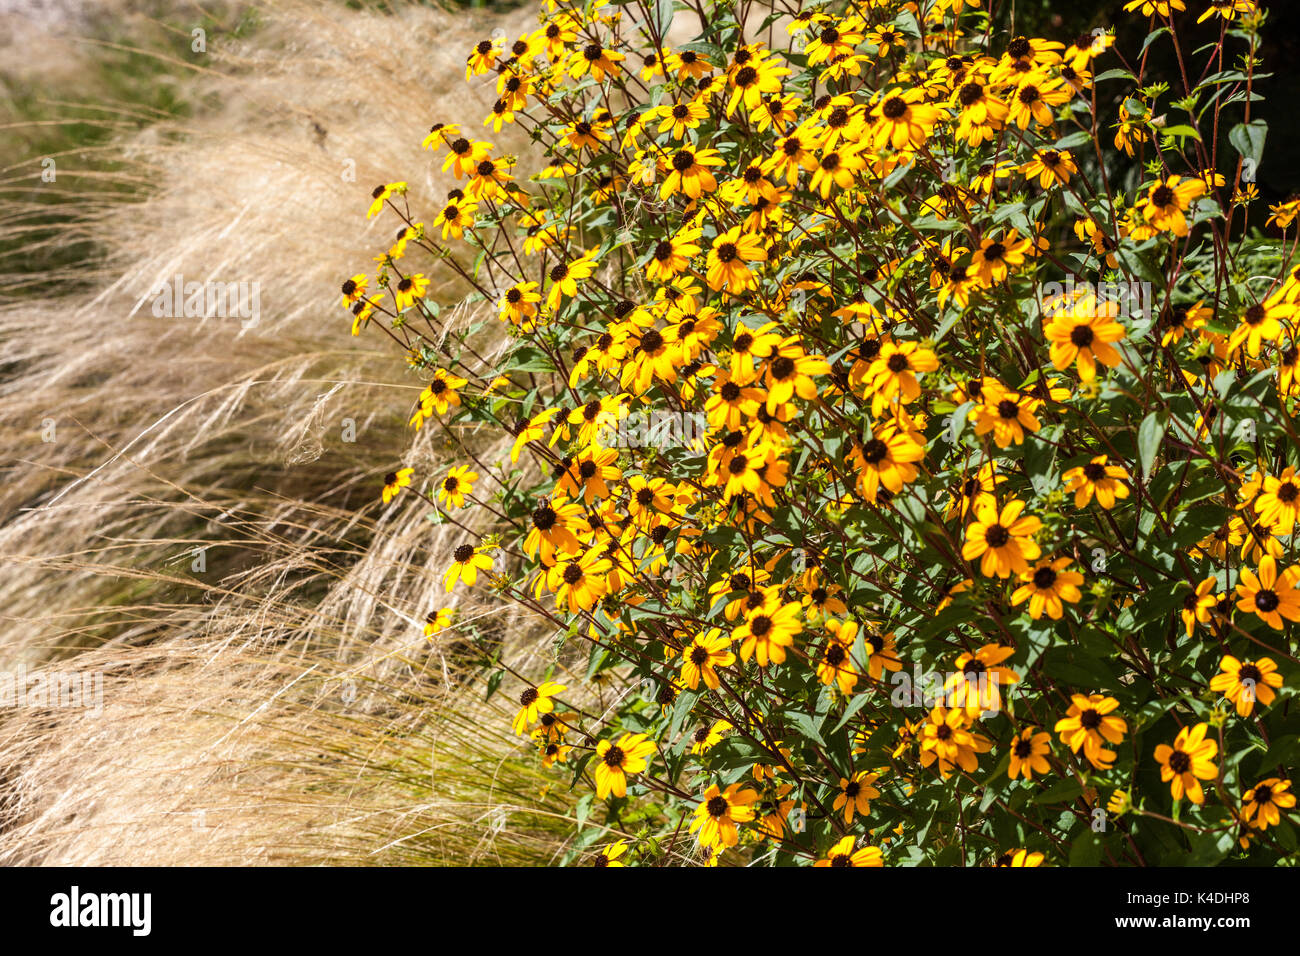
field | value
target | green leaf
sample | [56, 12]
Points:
[1248, 139]
[1151, 434]
[807, 726]
[1085, 850]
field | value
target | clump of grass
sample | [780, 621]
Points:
[182, 512]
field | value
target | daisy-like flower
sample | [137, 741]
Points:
[982, 114]
[978, 676]
[1263, 803]
[1019, 858]
[466, 564]
[1164, 8]
[892, 375]
[455, 217]
[687, 65]
[565, 277]
[1245, 682]
[1261, 323]
[1048, 587]
[1279, 504]
[689, 173]
[997, 255]
[596, 60]
[1032, 100]
[458, 483]
[1189, 761]
[903, 119]
[729, 257]
[1090, 724]
[610, 854]
[362, 310]
[769, 629]
[380, 195]
[887, 460]
[836, 665]
[463, 156]
[843, 854]
[1007, 414]
[440, 395]
[706, 738]
[354, 289]
[1179, 320]
[946, 737]
[1167, 201]
[756, 79]
[1004, 541]
[719, 812]
[1270, 595]
[630, 754]
[490, 178]
[1029, 752]
[1052, 167]
[836, 167]
[1199, 605]
[673, 255]
[789, 371]
[579, 581]
[1097, 478]
[519, 304]
[395, 481]
[533, 703]
[856, 794]
[408, 289]
[1083, 329]
[703, 655]
[436, 621]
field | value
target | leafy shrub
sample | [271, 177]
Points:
[915, 480]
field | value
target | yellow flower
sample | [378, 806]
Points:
[1262, 805]
[610, 854]
[1082, 329]
[380, 195]
[456, 485]
[1167, 201]
[466, 564]
[1029, 753]
[436, 621]
[533, 703]
[395, 481]
[1270, 595]
[856, 794]
[1089, 725]
[1100, 478]
[1189, 761]
[718, 813]
[728, 261]
[616, 760]
[703, 655]
[1003, 542]
[769, 629]
[1245, 682]
[1047, 586]
[408, 289]
[843, 854]
[1019, 858]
